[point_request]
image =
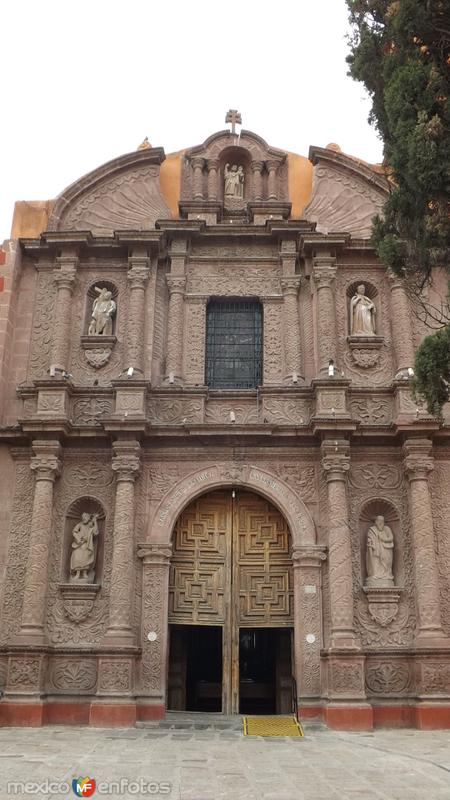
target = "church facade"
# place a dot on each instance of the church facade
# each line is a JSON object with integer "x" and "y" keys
{"x": 217, "y": 492}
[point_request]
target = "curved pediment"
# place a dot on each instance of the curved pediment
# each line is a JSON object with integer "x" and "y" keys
{"x": 346, "y": 193}
{"x": 122, "y": 194}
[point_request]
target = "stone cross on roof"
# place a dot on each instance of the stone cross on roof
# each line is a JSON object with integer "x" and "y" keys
{"x": 234, "y": 117}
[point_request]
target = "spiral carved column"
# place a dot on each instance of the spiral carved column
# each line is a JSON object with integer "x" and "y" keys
{"x": 175, "y": 328}
{"x": 418, "y": 464}
{"x": 137, "y": 279}
{"x": 336, "y": 463}
{"x": 126, "y": 465}
{"x": 64, "y": 277}
{"x": 46, "y": 465}
{"x": 324, "y": 274}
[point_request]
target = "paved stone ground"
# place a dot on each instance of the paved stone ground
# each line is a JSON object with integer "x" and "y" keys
{"x": 222, "y": 764}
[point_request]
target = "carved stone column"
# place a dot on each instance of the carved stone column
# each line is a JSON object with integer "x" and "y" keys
{"x": 272, "y": 167}
{"x": 64, "y": 277}
{"x": 291, "y": 322}
{"x": 336, "y": 463}
{"x": 46, "y": 465}
{"x": 126, "y": 465}
{"x": 418, "y": 464}
{"x": 213, "y": 167}
{"x": 175, "y": 328}
{"x": 401, "y": 325}
{"x": 324, "y": 274}
{"x": 194, "y": 356}
{"x": 273, "y": 322}
{"x": 138, "y": 275}
{"x": 197, "y": 177}
{"x": 308, "y": 620}
{"x": 257, "y": 169}
{"x": 154, "y": 629}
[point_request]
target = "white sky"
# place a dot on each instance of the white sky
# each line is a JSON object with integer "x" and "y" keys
{"x": 85, "y": 81}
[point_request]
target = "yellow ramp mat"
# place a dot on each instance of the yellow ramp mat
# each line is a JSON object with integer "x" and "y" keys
{"x": 272, "y": 726}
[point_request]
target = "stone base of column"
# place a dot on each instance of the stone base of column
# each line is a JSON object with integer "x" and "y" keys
{"x": 147, "y": 711}
{"x": 349, "y": 716}
{"x": 432, "y": 716}
{"x": 31, "y": 635}
{"x": 344, "y": 640}
{"x": 115, "y": 714}
{"x": 431, "y": 639}
{"x": 21, "y": 714}
{"x": 118, "y": 637}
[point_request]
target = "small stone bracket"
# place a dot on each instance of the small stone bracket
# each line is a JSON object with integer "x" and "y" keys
{"x": 383, "y": 603}
{"x": 365, "y": 350}
{"x": 78, "y": 599}
{"x": 98, "y": 349}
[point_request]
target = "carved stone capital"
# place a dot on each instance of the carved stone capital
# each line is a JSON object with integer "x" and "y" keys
{"x": 335, "y": 458}
{"x": 309, "y": 556}
{"x": 64, "y": 278}
{"x": 197, "y": 162}
{"x": 138, "y": 273}
{"x": 290, "y": 286}
{"x": 46, "y": 460}
{"x": 155, "y": 553}
{"x": 213, "y": 164}
{"x": 177, "y": 285}
{"x": 272, "y": 165}
{"x": 418, "y": 462}
{"x": 126, "y": 460}
{"x": 257, "y": 166}
{"x": 324, "y": 271}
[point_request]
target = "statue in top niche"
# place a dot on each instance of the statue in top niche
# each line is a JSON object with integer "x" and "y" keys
{"x": 379, "y": 554}
{"x": 362, "y": 313}
{"x": 103, "y": 308}
{"x": 234, "y": 181}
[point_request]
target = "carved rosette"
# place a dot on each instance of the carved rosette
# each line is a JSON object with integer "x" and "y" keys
{"x": 155, "y": 593}
{"x": 336, "y": 463}
{"x": 25, "y": 674}
{"x": 126, "y": 465}
{"x": 346, "y": 678}
{"x": 388, "y": 677}
{"x": 115, "y": 676}
{"x": 47, "y": 466}
{"x": 418, "y": 464}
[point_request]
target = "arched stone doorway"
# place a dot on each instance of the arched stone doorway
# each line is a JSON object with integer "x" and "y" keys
{"x": 156, "y": 554}
{"x": 231, "y": 606}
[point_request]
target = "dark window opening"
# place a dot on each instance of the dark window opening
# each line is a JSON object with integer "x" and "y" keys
{"x": 234, "y": 344}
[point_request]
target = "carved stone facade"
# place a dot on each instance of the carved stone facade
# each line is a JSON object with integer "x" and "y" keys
{"x": 118, "y": 424}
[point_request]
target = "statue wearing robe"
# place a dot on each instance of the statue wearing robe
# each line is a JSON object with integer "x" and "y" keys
{"x": 362, "y": 313}
{"x": 84, "y": 553}
{"x": 103, "y": 309}
{"x": 380, "y": 554}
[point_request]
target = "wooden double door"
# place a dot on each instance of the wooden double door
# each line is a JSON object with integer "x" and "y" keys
{"x": 231, "y": 606}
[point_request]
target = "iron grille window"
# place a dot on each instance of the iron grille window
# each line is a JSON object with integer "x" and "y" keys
{"x": 233, "y": 344}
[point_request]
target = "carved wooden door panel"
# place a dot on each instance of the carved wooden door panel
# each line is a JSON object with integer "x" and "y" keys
{"x": 231, "y": 566}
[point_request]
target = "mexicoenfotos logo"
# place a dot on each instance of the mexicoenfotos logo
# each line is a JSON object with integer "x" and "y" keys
{"x": 83, "y": 787}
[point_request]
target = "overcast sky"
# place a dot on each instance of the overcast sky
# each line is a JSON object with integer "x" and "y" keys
{"x": 85, "y": 81}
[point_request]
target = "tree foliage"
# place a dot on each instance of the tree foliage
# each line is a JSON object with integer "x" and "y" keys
{"x": 400, "y": 50}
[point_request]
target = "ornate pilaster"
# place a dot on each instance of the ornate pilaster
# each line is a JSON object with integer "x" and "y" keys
{"x": 257, "y": 170}
{"x": 401, "y": 325}
{"x": 324, "y": 274}
{"x": 126, "y": 465}
{"x": 197, "y": 177}
{"x": 273, "y": 325}
{"x": 291, "y": 323}
{"x": 418, "y": 464}
{"x": 272, "y": 167}
{"x": 308, "y": 620}
{"x": 175, "y": 332}
{"x": 138, "y": 274}
{"x": 64, "y": 277}
{"x": 46, "y": 465}
{"x": 213, "y": 167}
{"x": 336, "y": 463}
{"x": 155, "y": 598}
{"x": 194, "y": 357}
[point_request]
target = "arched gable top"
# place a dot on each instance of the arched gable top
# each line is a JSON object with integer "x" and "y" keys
{"x": 257, "y": 147}
{"x": 352, "y": 166}
{"x": 123, "y": 193}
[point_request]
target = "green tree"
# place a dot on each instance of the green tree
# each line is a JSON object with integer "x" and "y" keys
{"x": 400, "y": 50}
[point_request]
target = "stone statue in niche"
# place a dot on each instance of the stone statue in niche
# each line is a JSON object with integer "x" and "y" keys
{"x": 234, "y": 181}
{"x": 84, "y": 549}
{"x": 379, "y": 555}
{"x": 362, "y": 313}
{"x": 103, "y": 309}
